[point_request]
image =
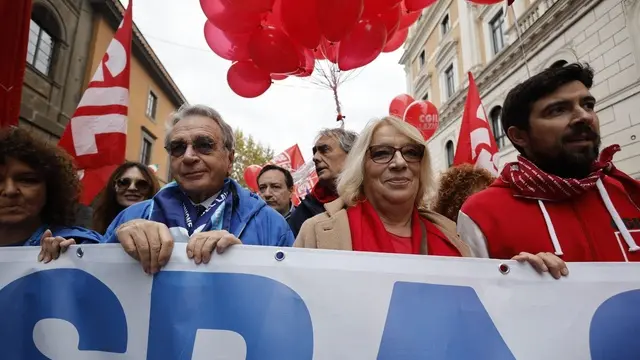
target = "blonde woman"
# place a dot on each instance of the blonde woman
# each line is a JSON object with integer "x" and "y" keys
{"x": 382, "y": 206}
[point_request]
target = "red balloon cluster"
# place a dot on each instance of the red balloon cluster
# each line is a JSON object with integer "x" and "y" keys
{"x": 273, "y": 39}
{"x": 421, "y": 114}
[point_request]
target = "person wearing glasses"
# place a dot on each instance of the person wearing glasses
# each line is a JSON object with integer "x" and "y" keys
{"x": 203, "y": 207}
{"x": 129, "y": 184}
{"x": 382, "y": 199}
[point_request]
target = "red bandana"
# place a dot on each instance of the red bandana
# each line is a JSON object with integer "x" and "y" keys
{"x": 322, "y": 194}
{"x": 528, "y": 181}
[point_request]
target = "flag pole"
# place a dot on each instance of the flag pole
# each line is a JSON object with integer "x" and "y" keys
{"x": 524, "y": 54}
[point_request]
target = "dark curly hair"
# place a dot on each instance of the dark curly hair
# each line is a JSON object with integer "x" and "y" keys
{"x": 54, "y": 165}
{"x": 516, "y": 109}
{"x": 106, "y": 207}
{"x": 455, "y": 187}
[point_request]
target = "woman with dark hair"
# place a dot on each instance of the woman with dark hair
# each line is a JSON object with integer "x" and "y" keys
{"x": 39, "y": 190}
{"x": 130, "y": 183}
{"x": 455, "y": 187}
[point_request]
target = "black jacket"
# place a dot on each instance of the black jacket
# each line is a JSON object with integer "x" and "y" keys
{"x": 308, "y": 208}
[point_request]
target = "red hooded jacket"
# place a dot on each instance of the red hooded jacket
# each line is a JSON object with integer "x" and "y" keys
{"x": 496, "y": 224}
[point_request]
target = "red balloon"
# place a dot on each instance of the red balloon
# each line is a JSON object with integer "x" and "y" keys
{"x": 327, "y": 50}
{"x": 396, "y": 41}
{"x": 300, "y": 21}
{"x": 309, "y": 65}
{"x": 228, "y": 19}
{"x": 272, "y": 50}
{"x": 362, "y": 45}
{"x": 272, "y": 18}
{"x": 375, "y": 7}
{"x": 318, "y": 53}
{"x": 278, "y": 76}
{"x": 416, "y": 5}
{"x": 252, "y": 5}
{"x": 234, "y": 47}
{"x": 248, "y": 80}
{"x": 251, "y": 176}
{"x": 399, "y": 105}
{"x": 408, "y": 17}
{"x": 424, "y": 116}
{"x": 391, "y": 20}
{"x": 337, "y": 17}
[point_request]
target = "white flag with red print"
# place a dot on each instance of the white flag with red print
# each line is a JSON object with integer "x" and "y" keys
{"x": 476, "y": 143}
{"x": 96, "y": 135}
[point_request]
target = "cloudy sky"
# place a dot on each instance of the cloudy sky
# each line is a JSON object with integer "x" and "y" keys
{"x": 291, "y": 111}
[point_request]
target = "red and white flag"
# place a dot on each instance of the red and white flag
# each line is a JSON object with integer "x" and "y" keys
{"x": 304, "y": 174}
{"x": 96, "y": 135}
{"x": 476, "y": 143}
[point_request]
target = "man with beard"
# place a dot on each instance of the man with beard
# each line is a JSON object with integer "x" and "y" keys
{"x": 559, "y": 200}
{"x": 329, "y": 153}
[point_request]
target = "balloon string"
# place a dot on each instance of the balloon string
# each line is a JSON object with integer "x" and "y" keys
{"x": 340, "y": 117}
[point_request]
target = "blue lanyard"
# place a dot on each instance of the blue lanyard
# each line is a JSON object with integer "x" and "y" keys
{"x": 224, "y": 195}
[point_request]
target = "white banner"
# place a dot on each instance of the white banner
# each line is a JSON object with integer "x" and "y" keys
{"x": 260, "y": 303}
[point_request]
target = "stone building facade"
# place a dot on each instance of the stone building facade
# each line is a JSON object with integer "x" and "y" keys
{"x": 484, "y": 40}
{"x": 57, "y": 54}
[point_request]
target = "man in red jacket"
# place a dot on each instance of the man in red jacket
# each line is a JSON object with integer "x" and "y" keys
{"x": 559, "y": 200}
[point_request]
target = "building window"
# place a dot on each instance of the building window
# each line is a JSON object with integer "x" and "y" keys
{"x": 449, "y": 82}
{"x": 152, "y": 105}
{"x": 496, "y": 126}
{"x": 445, "y": 26}
{"x": 423, "y": 58}
{"x": 426, "y": 97}
{"x": 496, "y": 25}
{"x": 146, "y": 147}
{"x": 450, "y": 153}
{"x": 40, "y": 48}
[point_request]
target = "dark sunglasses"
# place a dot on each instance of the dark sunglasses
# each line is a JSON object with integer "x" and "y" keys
{"x": 202, "y": 145}
{"x": 125, "y": 183}
{"x": 383, "y": 154}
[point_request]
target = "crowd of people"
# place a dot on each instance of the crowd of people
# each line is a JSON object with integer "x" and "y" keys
{"x": 562, "y": 201}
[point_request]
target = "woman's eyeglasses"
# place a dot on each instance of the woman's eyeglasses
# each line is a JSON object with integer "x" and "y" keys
{"x": 202, "y": 145}
{"x": 140, "y": 184}
{"x": 383, "y": 154}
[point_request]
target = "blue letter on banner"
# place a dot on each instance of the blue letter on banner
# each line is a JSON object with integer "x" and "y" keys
{"x": 615, "y": 327}
{"x": 68, "y": 294}
{"x": 271, "y": 317}
{"x": 446, "y": 322}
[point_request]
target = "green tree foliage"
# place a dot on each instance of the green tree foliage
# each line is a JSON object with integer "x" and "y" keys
{"x": 248, "y": 152}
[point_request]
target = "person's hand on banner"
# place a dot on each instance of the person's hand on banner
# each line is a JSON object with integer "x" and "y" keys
{"x": 147, "y": 241}
{"x": 201, "y": 245}
{"x": 544, "y": 262}
{"x": 51, "y": 246}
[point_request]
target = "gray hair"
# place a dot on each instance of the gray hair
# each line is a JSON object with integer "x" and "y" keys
{"x": 346, "y": 138}
{"x": 186, "y": 110}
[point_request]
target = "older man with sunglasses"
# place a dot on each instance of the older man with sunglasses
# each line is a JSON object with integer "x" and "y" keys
{"x": 203, "y": 207}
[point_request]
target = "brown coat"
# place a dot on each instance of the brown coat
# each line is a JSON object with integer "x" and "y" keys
{"x": 330, "y": 230}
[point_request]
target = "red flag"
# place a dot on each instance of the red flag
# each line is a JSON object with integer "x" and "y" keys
{"x": 96, "y": 135}
{"x": 476, "y": 143}
{"x": 15, "y": 17}
{"x": 304, "y": 175}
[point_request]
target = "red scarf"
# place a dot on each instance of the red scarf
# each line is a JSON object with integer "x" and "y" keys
{"x": 323, "y": 194}
{"x": 369, "y": 234}
{"x": 528, "y": 181}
